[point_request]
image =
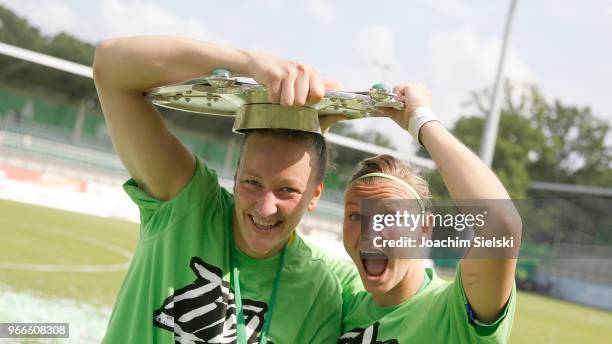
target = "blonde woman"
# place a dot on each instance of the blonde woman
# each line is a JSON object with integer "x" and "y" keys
{"x": 404, "y": 302}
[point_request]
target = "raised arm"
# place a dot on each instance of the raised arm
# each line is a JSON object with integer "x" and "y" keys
{"x": 487, "y": 282}
{"x": 125, "y": 68}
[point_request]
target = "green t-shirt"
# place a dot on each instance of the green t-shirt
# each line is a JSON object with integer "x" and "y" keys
{"x": 438, "y": 313}
{"x": 177, "y": 287}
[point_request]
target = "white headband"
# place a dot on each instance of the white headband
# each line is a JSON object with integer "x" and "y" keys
{"x": 388, "y": 176}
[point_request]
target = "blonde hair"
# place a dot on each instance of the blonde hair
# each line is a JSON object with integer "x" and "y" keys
{"x": 387, "y": 164}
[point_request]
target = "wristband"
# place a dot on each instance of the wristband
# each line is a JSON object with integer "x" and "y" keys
{"x": 420, "y": 116}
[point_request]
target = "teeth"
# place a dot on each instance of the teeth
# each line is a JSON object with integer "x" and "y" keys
{"x": 263, "y": 223}
{"x": 372, "y": 251}
{"x": 372, "y": 254}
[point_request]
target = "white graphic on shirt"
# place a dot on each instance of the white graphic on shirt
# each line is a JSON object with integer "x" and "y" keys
{"x": 364, "y": 336}
{"x": 204, "y": 311}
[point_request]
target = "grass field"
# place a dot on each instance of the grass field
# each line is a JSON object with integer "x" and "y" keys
{"x": 37, "y": 235}
{"x": 52, "y": 239}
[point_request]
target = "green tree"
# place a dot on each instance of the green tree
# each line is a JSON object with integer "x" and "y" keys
{"x": 550, "y": 142}
{"x": 39, "y": 79}
{"x": 516, "y": 142}
{"x": 575, "y": 150}
{"x": 16, "y": 31}
{"x": 537, "y": 141}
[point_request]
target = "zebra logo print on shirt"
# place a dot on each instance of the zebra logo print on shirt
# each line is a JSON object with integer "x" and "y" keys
{"x": 204, "y": 311}
{"x": 364, "y": 336}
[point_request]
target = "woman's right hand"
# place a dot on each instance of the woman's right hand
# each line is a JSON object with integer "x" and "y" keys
{"x": 289, "y": 83}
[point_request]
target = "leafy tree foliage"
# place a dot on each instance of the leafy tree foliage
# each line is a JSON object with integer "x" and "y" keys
{"x": 538, "y": 140}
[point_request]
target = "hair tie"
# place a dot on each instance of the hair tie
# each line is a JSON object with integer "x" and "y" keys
{"x": 388, "y": 176}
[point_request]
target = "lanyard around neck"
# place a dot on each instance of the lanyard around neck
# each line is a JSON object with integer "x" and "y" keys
{"x": 235, "y": 279}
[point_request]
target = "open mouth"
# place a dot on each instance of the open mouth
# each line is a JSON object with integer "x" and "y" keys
{"x": 264, "y": 226}
{"x": 374, "y": 262}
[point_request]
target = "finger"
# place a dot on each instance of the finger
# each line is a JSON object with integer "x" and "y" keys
{"x": 287, "y": 90}
{"x": 316, "y": 91}
{"x": 333, "y": 85}
{"x": 389, "y": 112}
{"x": 301, "y": 87}
{"x": 402, "y": 94}
{"x": 400, "y": 90}
{"x": 274, "y": 91}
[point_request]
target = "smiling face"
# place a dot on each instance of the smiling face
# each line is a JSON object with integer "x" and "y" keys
{"x": 275, "y": 184}
{"x": 388, "y": 279}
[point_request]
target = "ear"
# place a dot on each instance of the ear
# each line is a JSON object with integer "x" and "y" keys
{"x": 235, "y": 180}
{"x": 315, "y": 197}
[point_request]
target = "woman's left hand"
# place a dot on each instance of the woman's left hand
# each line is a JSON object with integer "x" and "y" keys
{"x": 413, "y": 95}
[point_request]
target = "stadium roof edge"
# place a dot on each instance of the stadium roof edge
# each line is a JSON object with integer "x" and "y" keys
{"x": 571, "y": 188}
{"x": 46, "y": 60}
{"x": 374, "y": 149}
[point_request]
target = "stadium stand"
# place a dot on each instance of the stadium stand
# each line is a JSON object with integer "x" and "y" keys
{"x": 39, "y": 134}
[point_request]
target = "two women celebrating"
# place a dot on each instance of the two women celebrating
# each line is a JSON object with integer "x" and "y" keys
{"x": 257, "y": 281}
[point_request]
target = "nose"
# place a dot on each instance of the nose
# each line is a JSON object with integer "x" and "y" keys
{"x": 266, "y": 204}
{"x": 366, "y": 233}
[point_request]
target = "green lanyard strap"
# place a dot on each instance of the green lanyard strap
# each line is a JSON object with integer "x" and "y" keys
{"x": 235, "y": 280}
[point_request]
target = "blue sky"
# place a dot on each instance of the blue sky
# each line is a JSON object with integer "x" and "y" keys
{"x": 451, "y": 45}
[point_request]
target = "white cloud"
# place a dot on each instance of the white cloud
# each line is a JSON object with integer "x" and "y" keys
{"x": 49, "y": 16}
{"x": 322, "y": 10}
{"x": 112, "y": 18}
{"x": 269, "y": 4}
{"x": 140, "y": 17}
{"x": 456, "y": 9}
{"x": 461, "y": 61}
{"x": 462, "y": 56}
{"x": 375, "y": 44}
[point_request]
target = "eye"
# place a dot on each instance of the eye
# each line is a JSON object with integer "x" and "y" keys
{"x": 289, "y": 190}
{"x": 355, "y": 217}
{"x": 251, "y": 182}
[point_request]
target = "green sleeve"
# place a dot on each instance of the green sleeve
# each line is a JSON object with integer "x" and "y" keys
{"x": 156, "y": 216}
{"x": 349, "y": 280}
{"x": 502, "y": 326}
{"x": 451, "y": 310}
